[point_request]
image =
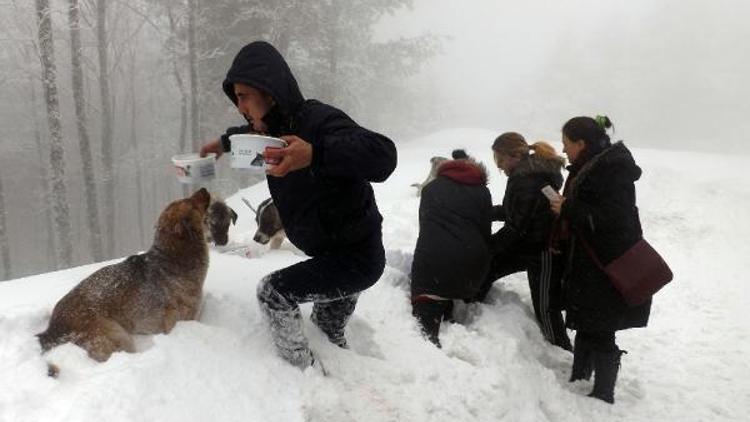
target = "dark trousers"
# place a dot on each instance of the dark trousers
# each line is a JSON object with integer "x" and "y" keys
{"x": 332, "y": 281}
{"x": 430, "y": 313}
{"x": 544, "y": 272}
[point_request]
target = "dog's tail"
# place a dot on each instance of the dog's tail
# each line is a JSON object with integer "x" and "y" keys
{"x": 48, "y": 341}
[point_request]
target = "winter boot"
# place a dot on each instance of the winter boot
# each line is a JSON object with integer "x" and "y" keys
{"x": 429, "y": 314}
{"x": 606, "y": 366}
{"x": 583, "y": 360}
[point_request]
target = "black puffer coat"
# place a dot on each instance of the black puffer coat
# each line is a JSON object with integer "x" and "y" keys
{"x": 600, "y": 207}
{"x": 452, "y": 255}
{"x": 525, "y": 210}
{"x": 329, "y": 205}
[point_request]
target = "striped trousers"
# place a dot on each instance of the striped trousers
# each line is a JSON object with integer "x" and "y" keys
{"x": 544, "y": 271}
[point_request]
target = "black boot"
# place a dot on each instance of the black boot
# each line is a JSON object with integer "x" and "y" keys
{"x": 606, "y": 366}
{"x": 583, "y": 360}
{"x": 429, "y": 314}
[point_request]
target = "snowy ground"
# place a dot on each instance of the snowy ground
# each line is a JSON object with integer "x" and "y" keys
{"x": 690, "y": 364}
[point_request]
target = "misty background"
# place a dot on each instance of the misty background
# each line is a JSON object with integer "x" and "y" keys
{"x": 97, "y": 95}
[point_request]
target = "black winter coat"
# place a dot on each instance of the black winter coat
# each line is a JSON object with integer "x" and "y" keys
{"x": 525, "y": 210}
{"x": 600, "y": 207}
{"x": 452, "y": 255}
{"x": 330, "y": 205}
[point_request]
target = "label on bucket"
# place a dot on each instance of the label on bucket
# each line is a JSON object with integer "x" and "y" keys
{"x": 247, "y": 151}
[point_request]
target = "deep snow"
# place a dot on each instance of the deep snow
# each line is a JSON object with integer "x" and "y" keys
{"x": 690, "y": 364}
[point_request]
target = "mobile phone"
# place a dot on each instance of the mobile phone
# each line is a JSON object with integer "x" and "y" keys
{"x": 550, "y": 193}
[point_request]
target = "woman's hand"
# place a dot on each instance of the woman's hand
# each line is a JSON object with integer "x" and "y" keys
{"x": 556, "y": 204}
{"x": 296, "y": 155}
{"x": 214, "y": 146}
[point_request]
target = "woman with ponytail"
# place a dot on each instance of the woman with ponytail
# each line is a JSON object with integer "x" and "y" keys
{"x": 598, "y": 221}
{"x": 521, "y": 244}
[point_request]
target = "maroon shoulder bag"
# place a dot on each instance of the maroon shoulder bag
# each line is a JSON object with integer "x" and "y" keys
{"x": 637, "y": 274}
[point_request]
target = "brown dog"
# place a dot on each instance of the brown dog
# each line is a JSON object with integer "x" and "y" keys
{"x": 144, "y": 294}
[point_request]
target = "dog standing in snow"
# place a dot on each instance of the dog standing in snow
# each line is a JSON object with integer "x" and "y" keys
{"x": 146, "y": 293}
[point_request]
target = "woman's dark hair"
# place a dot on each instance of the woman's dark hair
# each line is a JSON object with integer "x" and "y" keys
{"x": 592, "y": 131}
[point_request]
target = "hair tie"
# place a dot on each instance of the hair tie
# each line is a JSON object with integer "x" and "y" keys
{"x": 601, "y": 121}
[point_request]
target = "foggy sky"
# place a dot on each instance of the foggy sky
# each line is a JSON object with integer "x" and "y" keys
{"x": 671, "y": 74}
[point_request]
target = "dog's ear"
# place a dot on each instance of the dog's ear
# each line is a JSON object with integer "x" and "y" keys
{"x": 201, "y": 199}
{"x": 234, "y": 215}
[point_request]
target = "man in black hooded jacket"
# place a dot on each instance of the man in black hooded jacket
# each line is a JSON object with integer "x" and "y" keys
{"x": 321, "y": 187}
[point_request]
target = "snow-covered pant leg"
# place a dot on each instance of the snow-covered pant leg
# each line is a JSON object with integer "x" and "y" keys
{"x": 545, "y": 286}
{"x": 331, "y": 317}
{"x": 285, "y": 321}
{"x": 324, "y": 279}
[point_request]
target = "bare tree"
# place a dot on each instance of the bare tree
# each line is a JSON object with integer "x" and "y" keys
{"x": 89, "y": 179}
{"x": 174, "y": 53}
{"x": 107, "y": 128}
{"x": 136, "y": 150}
{"x": 193, "y": 65}
{"x": 44, "y": 181}
{"x": 4, "y": 245}
{"x": 57, "y": 156}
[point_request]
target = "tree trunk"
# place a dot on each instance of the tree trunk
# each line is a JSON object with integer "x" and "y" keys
{"x": 84, "y": 144}
{"x": 182, "y": 144}
{"x": 4, "y": 245}
{"x": 106, "y": 117}
{"x": 181, "y": 141}
{"x": 43, "y": 182}
{"x": 136, "y": 152}
{"x": 193, "y": 65}
{"x": 57, "y": 157}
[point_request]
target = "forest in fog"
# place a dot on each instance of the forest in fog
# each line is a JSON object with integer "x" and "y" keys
{"x": 97, "y": 95}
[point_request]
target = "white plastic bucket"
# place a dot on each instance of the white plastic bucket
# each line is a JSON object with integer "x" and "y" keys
{"x": 192, "y": 168}
{"x": 247, "y": 151}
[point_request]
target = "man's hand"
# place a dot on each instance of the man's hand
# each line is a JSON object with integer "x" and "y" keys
{"x": 556, "y": 204}
{"x": 296, "y": 155}
{"x": 213, "y": 146}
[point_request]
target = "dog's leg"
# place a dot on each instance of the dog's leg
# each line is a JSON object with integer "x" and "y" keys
{"x": 171, "y": 315}
{"x": 104, "y": 337}
{"x": 277, "y": 240}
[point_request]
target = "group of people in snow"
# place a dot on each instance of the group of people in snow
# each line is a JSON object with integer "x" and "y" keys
{"x": 550, "y": 238}
{"x": 321, "y": 187}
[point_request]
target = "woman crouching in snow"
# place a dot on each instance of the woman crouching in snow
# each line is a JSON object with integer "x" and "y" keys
{"x": 522, "y": 243}
{"x": 452, "y": 254}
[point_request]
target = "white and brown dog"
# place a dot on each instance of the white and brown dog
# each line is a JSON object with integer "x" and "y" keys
{"x": 269, "y": 224}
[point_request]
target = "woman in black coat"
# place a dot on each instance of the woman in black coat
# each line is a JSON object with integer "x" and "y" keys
{"x": 598, "y": 217}
{"x": 452, "y": 253}
{"x": 522, "y": 243}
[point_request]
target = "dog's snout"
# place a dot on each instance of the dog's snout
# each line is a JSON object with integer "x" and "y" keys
{"x": 261, "y": 238}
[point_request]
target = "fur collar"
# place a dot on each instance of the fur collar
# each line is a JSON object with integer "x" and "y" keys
{"x": 467, "y": 171}
{"x": 617, "y": 154}
{"x": 535, "y": 164}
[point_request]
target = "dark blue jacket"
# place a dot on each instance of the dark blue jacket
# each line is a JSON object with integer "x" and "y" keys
{"x": 330, "y": 205}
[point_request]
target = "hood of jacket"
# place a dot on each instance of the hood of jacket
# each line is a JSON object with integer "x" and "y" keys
{"x": 533, "y": 164}
{"x": 261, "y": 66}
{"x": 617, "y": 157}
{"x": 466, "y": 171}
